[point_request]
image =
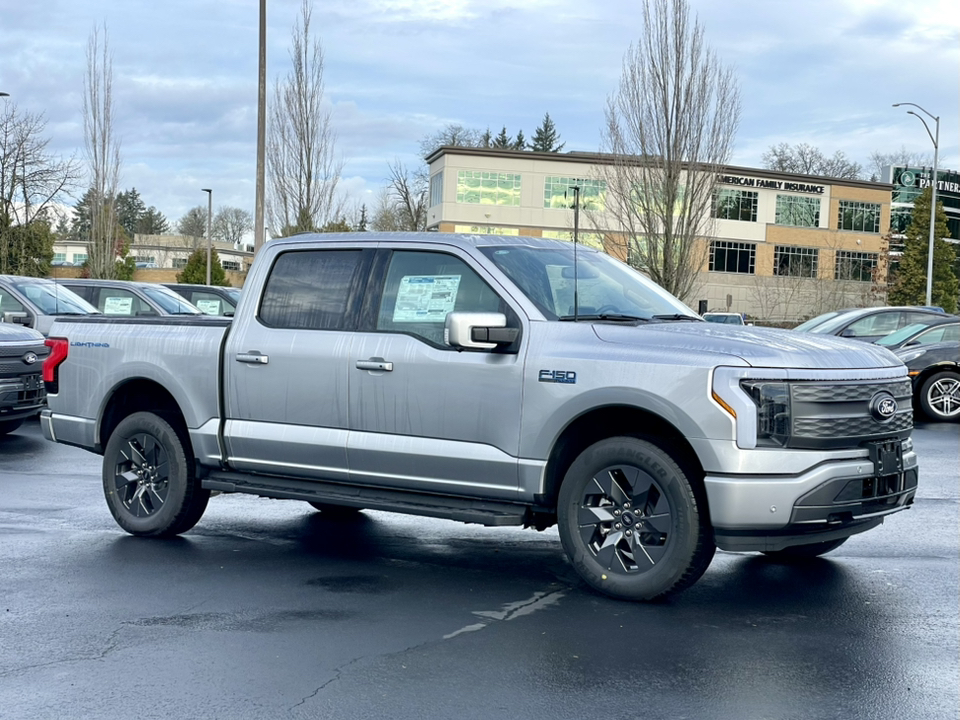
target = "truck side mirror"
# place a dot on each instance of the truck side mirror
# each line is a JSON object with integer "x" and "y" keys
{"x": 17, "y": 318}
{"x": 478, "y": 330}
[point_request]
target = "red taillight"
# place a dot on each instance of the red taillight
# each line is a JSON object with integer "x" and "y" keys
{"x": 59, "y": 347}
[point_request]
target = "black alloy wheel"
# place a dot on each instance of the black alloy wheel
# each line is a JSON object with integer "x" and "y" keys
{"x": 148, "y": 479}
{"x": 630, "y": 521}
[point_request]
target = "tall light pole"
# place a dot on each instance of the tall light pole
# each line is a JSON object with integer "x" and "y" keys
{"x": 209, "y": 193}
{"x": 258, "y": 234}
{"x": 935, "y": 137}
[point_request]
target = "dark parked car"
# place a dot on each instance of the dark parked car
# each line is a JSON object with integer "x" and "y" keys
{"x": 22, "y": 395}
{"x": 126, "y": 298}
{"x": 211, "y": 299}
{"x": 867, "y": 324}
{"x": 935, "y": 372}
{"x": 923, "y": 333}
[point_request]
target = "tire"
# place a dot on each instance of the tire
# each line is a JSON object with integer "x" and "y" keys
{"x": 940, "y": 396}
{"x": 620, "y": 548}
{"x": 811, "y": 550}
{"x": 8, "y": 426}
{"x": 335, "y": 511}
{"x": 149, "y": 482}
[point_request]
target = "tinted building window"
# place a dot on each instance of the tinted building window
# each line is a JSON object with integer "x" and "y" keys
{"x": 729, "y": 204}
{"x": 795, "y": 261}
{"x": 859, "y": 216}
{"x": 798, "y": 211}
{"x": 310, "y": 290}
{"x": 734, "y": 257}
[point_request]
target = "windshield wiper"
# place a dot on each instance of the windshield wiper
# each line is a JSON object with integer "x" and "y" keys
{"x": 617, "y": 317}
{"x": 678, "y": 316}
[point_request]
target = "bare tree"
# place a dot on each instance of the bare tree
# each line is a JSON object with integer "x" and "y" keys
{"x": 302, "y": 166}
{"x": 902, "y": 157}
{"x": 386, "y": 213}
{"x": 407, "y": 192}
{"x": 193, "y": 226}
{"x": 230, "y": 224}
{"x": 31, "y": 181}
{"x": 670, "y": 127}
{"x": 455, "y": 135}
{"x": 809, "y": 160}
{"x": 103, "y": 158}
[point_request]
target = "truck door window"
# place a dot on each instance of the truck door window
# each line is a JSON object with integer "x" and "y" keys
{"x": 310, "y": 290}
{"x": 422, "y": 287}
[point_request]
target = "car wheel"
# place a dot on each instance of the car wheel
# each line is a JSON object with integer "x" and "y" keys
{"x": 940, "y": 396}
{"x": 631, "y": 521}
{"x": 148, "y": 479}
{"x": 335, "y": 511}
{"x": 8, "y": 426}
{"x": 811, "y": 550}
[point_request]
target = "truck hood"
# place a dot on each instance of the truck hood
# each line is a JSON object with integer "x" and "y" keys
{"x": 759, "y": 347}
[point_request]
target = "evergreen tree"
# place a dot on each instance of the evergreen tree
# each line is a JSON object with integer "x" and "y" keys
{"x": 502, "y": 140}
{"x": 28, "y": 249}
{"x": 82, "y": 214}
{"x": 361, "y": 224}
{"x": 195, "y": 271}
{"x": 130, "y": 211}
{"x": 153, "y": 223}
{"x": 520, "y": 143}
{"x": 486, "y": 139}
{"x": 910, "y": 286}
{"x": 337, "y": 226}
{"x": 546, "y": 138}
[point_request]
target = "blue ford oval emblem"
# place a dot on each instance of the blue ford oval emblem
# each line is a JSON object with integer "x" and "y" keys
{"x": 30, "y": 358}
{"x": 883, "y": 406}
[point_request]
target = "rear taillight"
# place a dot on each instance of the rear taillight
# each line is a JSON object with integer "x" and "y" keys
{"x": 59, "y": 347}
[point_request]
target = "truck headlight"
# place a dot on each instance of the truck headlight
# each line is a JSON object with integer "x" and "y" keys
{"x": 773, "y": 410}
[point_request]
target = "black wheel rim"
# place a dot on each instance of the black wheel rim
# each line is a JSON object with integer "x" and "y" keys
{"x": 625, "y": 520}
{"x": 142, "y": 478}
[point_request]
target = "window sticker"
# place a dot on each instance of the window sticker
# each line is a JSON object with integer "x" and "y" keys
{"x": 425, "y": 298}
{"x": 209, "y": 307}
{"x": 118, "y": 306}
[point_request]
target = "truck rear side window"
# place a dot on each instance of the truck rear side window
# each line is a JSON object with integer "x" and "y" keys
{"x": 309, "y": 290}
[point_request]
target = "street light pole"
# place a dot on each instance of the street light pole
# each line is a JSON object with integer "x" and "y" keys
{"x": 935, "y": 137}
{"x": 209, "y": 193}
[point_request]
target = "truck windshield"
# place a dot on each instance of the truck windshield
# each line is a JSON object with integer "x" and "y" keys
{"x": 606, "y": 288}
{"x": 54, "y": 299}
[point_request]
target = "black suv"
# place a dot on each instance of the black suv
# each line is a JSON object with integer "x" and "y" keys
{"x": 22, "y": 352}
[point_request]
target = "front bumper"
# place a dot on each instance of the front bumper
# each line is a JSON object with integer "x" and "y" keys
{"x": 830, "y": 501}
{"x": 21, "y": 397}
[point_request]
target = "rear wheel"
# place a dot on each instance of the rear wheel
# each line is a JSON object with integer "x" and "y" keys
{"x": 630, "y": 521}
{"x": 806, "y": 551}
{"x": 8, "y": 426}
{"x": 940, "y": 396}
{"x": 339, "y": 511}
{"x": 148, "y": 480}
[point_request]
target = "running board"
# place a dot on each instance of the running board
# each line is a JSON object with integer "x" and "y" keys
{"x": 468, "y": 510}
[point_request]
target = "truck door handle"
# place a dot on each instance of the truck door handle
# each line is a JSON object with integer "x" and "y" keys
{"x": 375, "y": 364}
{"x": 253, "y": 357}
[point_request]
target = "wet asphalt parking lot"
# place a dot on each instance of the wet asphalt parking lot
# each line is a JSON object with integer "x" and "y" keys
{"x": 268, "y": 610}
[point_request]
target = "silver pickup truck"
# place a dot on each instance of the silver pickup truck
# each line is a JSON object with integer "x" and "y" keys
{"x": 494, "y": 380}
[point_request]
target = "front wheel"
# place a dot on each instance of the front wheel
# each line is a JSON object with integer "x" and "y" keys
{"x": 631, "y": 522}
{"x": 148, "y": 480}
{"x": 8, "y": 426}
{"x": 940, "y": 396}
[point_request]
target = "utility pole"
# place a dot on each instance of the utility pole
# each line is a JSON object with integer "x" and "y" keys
{"x": 258, "y": 234}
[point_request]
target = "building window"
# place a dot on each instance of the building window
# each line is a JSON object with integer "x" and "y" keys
{"x": 179, "y": 263}
{"x": 59, "y": 258}
{"x": 558, "y": 193}
{"x": 798, "y": 211}
{"x": 730, "y": 204}
{"x": 795, "y": 261}
{"x": 436, "y": 189}
{"x": 488, "y": 188}
{"x": 856, "y": 266}
{"x": 859, "y": 216}
{"x": 144, "y": 259}
{"x": 485, "y": 230}
{"x": 230, "y": 264}
{"x": 733, "y": 257}
{"x": 79, "y": 258}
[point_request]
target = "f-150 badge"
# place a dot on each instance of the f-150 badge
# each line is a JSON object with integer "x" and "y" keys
{"x": 567, "y": 377}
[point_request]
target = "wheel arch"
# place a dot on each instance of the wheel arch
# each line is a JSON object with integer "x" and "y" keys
{"x": 140, "y": 395}
{"x": 619, "y": 421}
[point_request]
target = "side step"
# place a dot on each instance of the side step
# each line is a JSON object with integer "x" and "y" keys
{"x": 468, "y": 510}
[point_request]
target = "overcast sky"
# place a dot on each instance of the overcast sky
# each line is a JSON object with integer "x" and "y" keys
{"x": 823, "y": 72}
